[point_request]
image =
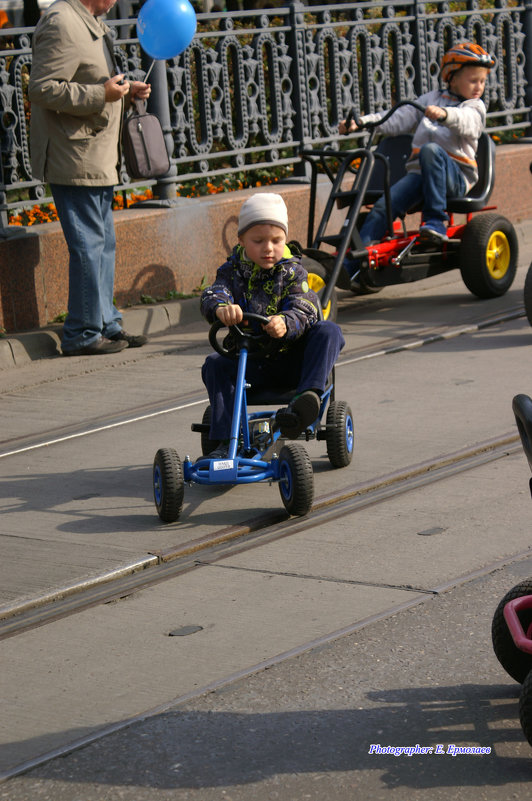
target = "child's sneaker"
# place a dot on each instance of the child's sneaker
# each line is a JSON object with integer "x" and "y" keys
{"x": 433, "y": 231}
{"x": 299, "y": 414}
{"x": 220, "y": 452}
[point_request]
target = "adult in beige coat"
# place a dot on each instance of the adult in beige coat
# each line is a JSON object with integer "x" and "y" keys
{"x": 76, "y": 111}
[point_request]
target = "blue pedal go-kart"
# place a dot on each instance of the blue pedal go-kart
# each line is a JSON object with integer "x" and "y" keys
{"x": 257, "y": 451}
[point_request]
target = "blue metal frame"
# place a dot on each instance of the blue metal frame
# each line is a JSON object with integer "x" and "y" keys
{"x": 237, "y": 468}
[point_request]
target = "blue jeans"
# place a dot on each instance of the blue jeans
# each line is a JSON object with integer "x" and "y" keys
{"x": 440, "y": 178}
{"x": 85, "y": 214}
{"x": 305, "y": 365}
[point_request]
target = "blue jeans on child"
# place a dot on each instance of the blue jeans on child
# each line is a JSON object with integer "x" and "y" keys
{"x": 440, "y": 178}
{"x": 86, "y": 217}
{"x": 305, "y": 365}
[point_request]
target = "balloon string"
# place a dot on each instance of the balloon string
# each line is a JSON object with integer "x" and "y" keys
{"x": 148, "y": 73}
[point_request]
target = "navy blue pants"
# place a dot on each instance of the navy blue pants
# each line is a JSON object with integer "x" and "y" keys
{"x": 306, "y": 365}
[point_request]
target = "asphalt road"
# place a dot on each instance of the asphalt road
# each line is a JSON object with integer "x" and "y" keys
{"x": 310, "y": 727}
{"x": 304, "y": 727}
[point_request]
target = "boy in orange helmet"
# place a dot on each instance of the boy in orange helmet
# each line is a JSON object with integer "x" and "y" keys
{"x": 442, "y": 162}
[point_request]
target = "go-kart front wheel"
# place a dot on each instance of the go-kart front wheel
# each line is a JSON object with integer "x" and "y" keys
{"x": 516, "y": 663}
{"x": 488, "y": 255}
{"x": 296, "y": 479}
{"x": 340, "y": 434}
{"x": 168, "y": 484}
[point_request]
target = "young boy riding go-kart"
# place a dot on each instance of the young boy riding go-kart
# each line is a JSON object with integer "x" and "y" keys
{"x": 445, "y": 168}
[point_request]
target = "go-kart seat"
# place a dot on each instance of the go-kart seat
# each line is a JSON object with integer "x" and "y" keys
{"x": 280, "y": 397}
{"x": 397, "y": 150}
{"x": 479, "y": 195}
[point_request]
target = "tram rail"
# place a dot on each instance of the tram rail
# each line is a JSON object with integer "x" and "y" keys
{"x": 167, "y": 564}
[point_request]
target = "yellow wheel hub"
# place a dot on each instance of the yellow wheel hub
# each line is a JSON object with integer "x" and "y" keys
{"x": 498, "y": 254}
{"x": 317, "y": 284}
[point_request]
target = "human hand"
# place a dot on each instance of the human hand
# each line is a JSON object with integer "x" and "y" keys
{"x": 139, "y": 90}
{"x": 230, "y": 314}
{"x": 276, "y": 328}
{"x": 343, "y": 129}
{"x": 435, "y": 113}
{"x": 116, "y": 88}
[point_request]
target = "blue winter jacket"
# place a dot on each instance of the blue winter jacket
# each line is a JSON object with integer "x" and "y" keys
{"x": 282, "y": 290}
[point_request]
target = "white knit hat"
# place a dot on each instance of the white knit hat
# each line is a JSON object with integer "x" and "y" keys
{"x": 265, "y": 208}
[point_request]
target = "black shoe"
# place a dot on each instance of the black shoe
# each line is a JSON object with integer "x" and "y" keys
{"x": 298, "y": 415}
{"x": 220, "y": 452}
{"x": 131, "y": 340}
{"x": 101, "y": 345}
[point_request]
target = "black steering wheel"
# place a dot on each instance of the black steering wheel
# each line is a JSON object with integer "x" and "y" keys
{"x": 255, "y": 342}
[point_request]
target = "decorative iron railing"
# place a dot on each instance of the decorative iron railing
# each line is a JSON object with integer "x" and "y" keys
{"x": 254, "y": 87}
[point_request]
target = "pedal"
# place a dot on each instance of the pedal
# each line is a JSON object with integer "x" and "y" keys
{"x": 200, "y": 428}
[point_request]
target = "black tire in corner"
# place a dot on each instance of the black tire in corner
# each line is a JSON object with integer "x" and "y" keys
{"x": 317, "y": 281}
{"x": 525, "y": 707}
{"x": 340, "y": 434}
{"x": 168, "y": 484}
{"x": 488, "y": 255}
{"x": 207, "y": 444}
{"x": 515, "y": 662}
{"x": 527, "y": 295}
{"x": 296, "y": 479}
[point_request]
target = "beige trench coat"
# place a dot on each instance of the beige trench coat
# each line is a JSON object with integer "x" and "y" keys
{"x": 74, "y": 133}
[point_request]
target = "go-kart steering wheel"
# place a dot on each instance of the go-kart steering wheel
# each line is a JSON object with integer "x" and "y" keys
{"x": 255, "y": 341}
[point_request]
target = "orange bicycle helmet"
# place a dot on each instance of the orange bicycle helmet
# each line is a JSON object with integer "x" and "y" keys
{"x": 463, "y": 55}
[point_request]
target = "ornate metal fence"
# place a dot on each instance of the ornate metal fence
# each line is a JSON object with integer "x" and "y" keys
{"x": 255, "y": 87}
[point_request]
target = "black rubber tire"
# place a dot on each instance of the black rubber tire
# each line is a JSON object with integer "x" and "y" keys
{"x": 515, "y": 662}
{"x": 207, "y": 444}
{"x": 527, "y": 295}
{"x": 525, "y": 707}
{"x": 488, "y": 255}
{"x": 340, "y": 434}
{"x": 168, "y": 484}
{"x": 296, "y": 483}
{"x": 317, "y": 280}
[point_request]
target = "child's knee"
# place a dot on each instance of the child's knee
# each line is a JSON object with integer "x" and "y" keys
{"x": 430, "y": 153}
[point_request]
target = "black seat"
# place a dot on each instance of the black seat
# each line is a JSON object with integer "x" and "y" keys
{"x": 479, "y": 195}
{"x": 397, "y": 150}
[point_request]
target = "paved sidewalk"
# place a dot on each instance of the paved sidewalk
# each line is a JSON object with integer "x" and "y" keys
{"x": 28, "y": 346}
{"x": 18, "y": 349}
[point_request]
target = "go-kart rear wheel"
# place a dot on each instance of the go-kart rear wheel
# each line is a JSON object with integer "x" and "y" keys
{"x": 525, "y": 707}
{"x": 207, "y": 444}
{"x": 340, "y": 434}
{"x": 515, "y": 662}
{"x": 488, "y": 255}
{"x": 168, "y": 484}
{"x": 296, "y": 481}
{"x": 317, "y": 281}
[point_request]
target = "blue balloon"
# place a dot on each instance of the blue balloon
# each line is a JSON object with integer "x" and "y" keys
{"x": 166, "y": 27}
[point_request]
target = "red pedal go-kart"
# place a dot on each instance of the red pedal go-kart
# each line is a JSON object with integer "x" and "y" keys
{"x": 511, "y": 628}
{"x": 484, "y": 247}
